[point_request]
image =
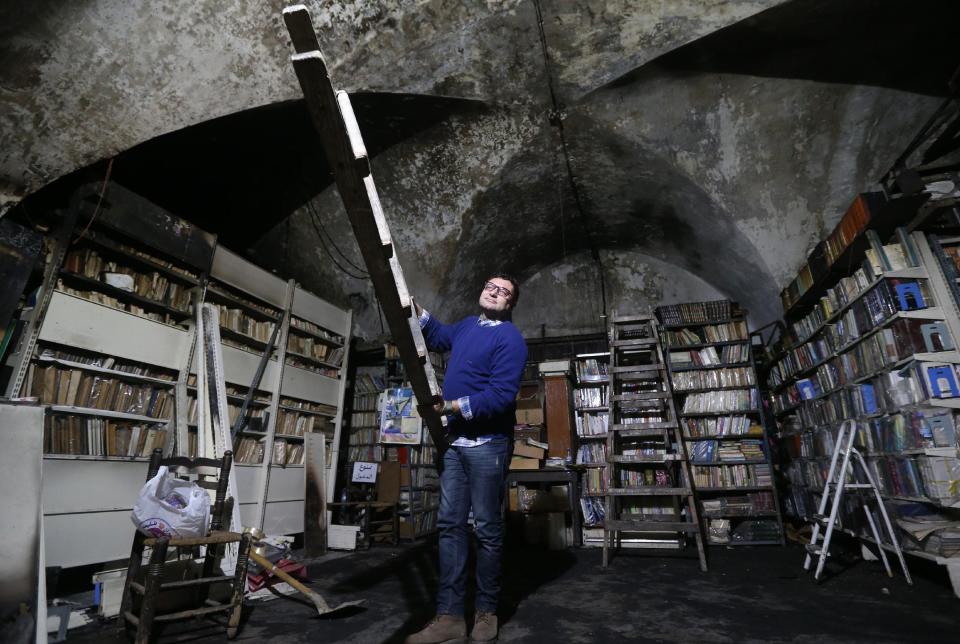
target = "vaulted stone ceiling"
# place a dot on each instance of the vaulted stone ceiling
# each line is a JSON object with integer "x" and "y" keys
{"x": 679, "y": 150}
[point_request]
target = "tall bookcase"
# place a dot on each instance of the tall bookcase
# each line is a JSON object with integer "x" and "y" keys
{"x": 591, "y": 419}
{"x": 710, "y": 359}
{"x": 879, "y": 348}
{"x": 110, "y": 347}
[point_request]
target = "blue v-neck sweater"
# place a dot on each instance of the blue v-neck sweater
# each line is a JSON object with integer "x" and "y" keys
{"x": 486, "y": 365}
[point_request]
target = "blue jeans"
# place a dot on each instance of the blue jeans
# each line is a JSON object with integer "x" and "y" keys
{"x": 472, "y": 476}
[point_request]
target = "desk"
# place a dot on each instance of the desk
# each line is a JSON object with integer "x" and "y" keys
{"x": 570, "y": 477}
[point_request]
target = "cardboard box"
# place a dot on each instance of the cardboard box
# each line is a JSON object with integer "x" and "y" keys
{"x": 522, "y": 448}
{"x": 523, "y": 463}
{"x": 513, "y": 499}
{"x": 521, "y": 433}
{"x": 530, "y": 416}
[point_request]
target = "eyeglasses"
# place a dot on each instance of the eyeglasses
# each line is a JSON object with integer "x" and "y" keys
{"x": 499, "y": 290}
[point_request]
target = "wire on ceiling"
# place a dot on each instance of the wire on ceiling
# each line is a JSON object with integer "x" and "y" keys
{"x": 557, "y": 115}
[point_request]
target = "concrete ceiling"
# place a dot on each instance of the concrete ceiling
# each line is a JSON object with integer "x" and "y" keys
{"x": 680, "y": 150}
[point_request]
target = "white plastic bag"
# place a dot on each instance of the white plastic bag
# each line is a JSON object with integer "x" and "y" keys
{"x": 171, "y": 507}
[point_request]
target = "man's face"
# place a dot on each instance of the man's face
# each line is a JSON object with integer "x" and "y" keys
{"x": 497, "y": 295}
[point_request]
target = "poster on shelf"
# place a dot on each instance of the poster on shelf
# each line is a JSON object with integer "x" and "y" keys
{"x": 364, "y": 472}
{"x": 399, "y": 421}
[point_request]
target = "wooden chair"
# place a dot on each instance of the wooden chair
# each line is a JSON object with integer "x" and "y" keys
{"x": 142, "y": 590}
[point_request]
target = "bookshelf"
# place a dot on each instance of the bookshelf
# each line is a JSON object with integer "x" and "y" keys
{"x": 109, "y": 350}
{"x": 879, "y": 347}
{"x": 419, "y": 475}
{"x": 710, "y": 359}
{"x": 591, "y": 412}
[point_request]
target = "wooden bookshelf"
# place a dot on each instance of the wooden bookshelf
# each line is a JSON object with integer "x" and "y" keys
{"x": 721, "y": 391}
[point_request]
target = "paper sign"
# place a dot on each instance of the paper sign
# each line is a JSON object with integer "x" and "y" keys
{"x": 364, "y": 472}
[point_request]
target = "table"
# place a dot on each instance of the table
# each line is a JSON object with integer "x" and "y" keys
{"x": 570, "y": 477}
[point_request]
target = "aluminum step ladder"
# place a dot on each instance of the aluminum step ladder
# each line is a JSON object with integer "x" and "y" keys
{"x": 839, "y": 480}
{"x": 643, "y": 420}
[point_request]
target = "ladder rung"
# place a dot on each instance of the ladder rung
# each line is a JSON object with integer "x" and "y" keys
{"x": 857, "y": 486}
{"x": 815, "y": 550}
{"x": 648, "y": 490}
{"x": 658, "y": 433}
{"x": 653, "y": 395}
{"x": 635, "y": 342}
{"x": 639, "y": 368}
{"x": 666, "y": 458}
{"x": 641, "y": 525}
{"x": 660, "y": 424}
{"x": 627, "y": 319}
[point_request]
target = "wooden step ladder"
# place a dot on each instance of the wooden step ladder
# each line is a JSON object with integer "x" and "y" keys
{"x": 646, "y": 460}
{"x": 346, "y": 153}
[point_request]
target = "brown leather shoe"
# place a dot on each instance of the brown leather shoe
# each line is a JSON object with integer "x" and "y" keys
{"x": 484, "y": 628}
{"x": 442, "y": 628}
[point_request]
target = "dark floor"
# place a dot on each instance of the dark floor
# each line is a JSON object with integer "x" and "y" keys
{"x": 751, "y": 594}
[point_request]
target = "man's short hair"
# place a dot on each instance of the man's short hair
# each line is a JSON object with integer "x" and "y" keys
{"x": 513, "y": 281}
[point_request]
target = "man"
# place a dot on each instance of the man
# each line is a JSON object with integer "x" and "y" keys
{"x": 487, "y": 357}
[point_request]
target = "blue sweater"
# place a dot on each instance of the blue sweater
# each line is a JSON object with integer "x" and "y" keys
{"x": 486, "y": 364}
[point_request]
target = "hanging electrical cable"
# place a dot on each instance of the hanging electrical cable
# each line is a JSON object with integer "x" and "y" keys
{"x": 556, "y": 119}
{"x": 329, "y": 238}
{"x": 333, "y": 259}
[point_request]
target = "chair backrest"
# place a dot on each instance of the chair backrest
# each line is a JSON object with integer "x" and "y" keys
{"x": 221, "y": 504}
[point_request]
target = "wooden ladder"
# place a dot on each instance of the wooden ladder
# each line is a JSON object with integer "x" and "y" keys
{"x": 346, "y": 153}
{"x": 643, "y": 442}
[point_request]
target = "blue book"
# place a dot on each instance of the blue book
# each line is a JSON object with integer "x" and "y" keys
{"x": 943, "y": 381}
{"x": 909, "y": 296}
{"x": 869, "y": 398}
{"x": 806, "y": 389}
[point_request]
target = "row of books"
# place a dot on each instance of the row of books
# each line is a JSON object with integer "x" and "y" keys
{"x": 424, "y": 477}
{"x": 653, "y": 507}
{"x": 314, "y": 349}
{"x": 880, "y": 260}
{"x": 366, "y": 383}
{"x": 152, "y": 286}
{"x": 309, "y": 407}
{"x": 105, "y": 362}
{"x": 592, "y": 453}
{"x": 906, "y": 430}
{"x": 423, "y": 455}
{"x": 592, "y": 423}
{"x": 708, "y": 356}
{"x": 364, "y": 436}
{"x": 733, "y": 425}
{"x": 419, "y": 500}
{"x": 366, "y": 453}
{"x": 421, "y": 523}
{"x": 732, "y": 476}
{"x": 248, "y": 450}
{"x": 216, "y": 290}
{"x": 901, "y": 340}
{"x": 645, "y": 476}
{"x": 714, "y": 378}
{"x": 363, "y": 419}
{"x": 722, "y": 401}
{"x": 89, "y": 436}
{"x": 295, "y": 424}
{"x": 239, "y": 322}
{"x": 365, "y": 401}
{"x": 233, "y": 412}
{"x": 77, "y": 388}
{"x": 590, "y": 397}
{"x": 696, "y": 312}
{"x": 593, "y": 509}
{"x": 103, "y": 240}
{"x": 726, "y": 451}
{"x": 591, "y": 369}
{"x": 299, "y": 324}
{"x": 854, "y": 220}
{"x": 739, "y": 504}
{"x": 286, "y": 453}
{"x": 114, "y": 303}
{"x": 594, "y": 481}
{"x": 726, "y": 332}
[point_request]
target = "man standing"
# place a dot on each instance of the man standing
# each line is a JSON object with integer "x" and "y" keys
{"x": 487, "y": 357}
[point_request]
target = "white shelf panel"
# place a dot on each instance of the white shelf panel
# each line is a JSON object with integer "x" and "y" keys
{"x": 287, "y": 484}
{"x": 82, "y": 539}
{"x": 283, "y": 517}
{"x": 309, "y": 307}
{"x": 308, "y": 385}
{"x": 94, "y": 327}
{"x": 72, "y": 486}
{"x": 240, "y": 366}
{"x": 230, "y": 268}
{"x": 248, "y": 477}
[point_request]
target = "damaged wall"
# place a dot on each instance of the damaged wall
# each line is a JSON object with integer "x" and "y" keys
{"x": 715, "y": 141}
